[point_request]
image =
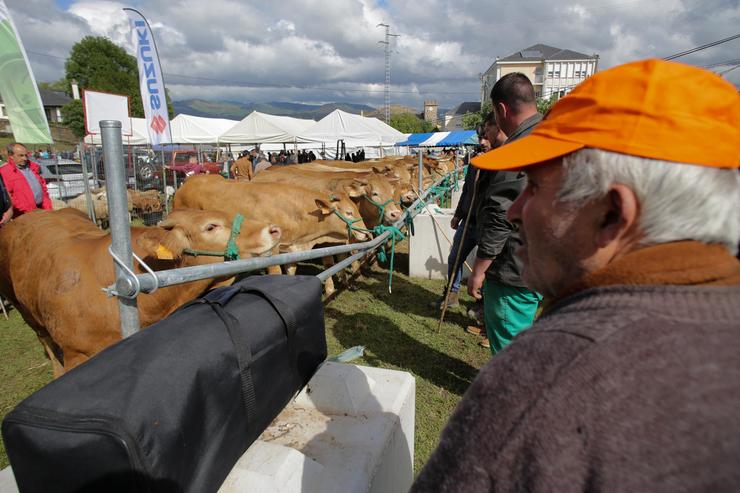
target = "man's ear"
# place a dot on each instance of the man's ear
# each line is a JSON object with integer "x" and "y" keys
{"x": 324, "y": 206}
{"x": 618, "y": 221}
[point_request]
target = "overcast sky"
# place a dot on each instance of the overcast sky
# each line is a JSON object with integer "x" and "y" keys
{"x": 317, "y": 51}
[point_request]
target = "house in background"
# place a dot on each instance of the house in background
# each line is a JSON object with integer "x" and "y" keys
{"x": 453, "y": 118}
{"x": 553, "y": 71}
{"x": 52, "y": 101}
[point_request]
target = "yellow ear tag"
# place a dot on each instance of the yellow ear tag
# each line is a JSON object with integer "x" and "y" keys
{"x": 164, "y": 254}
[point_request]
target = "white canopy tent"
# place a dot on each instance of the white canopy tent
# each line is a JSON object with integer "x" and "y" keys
{"x": 260, "y": 128}
{"x": 354, "y": 130}
{"x": 188, "y": 129}
{"x": 139, "y": 137}
{"x": 370, "y": 134}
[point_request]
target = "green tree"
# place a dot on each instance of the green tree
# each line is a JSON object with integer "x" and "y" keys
{"x": 544, "y": 105}
{"x": 58, "y": 85}
{"x": 471, "y": 120}
{"x": 97, "y": 64}
{"x": 73, "y": 117}
{"x": 409, "y": 123}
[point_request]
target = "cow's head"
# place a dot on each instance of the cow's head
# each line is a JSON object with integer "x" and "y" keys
{"x": 345, "y": 214}
{"x": 356, "y": 188}
{"x": 381, "y": 201}
{"x": 188, "y": 231}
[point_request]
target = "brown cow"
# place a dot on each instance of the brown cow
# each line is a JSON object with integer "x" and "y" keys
{"x": 55, "y": 264}
{"x": 307, "y": 217}
{"x": 372, "y": 191}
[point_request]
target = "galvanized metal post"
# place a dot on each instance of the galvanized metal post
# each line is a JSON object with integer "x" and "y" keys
{"x": 164, "y": 186}
{"x": 421, "y": 172}
{"x": 88, "y": 196}
{"x": 120, "y": 226}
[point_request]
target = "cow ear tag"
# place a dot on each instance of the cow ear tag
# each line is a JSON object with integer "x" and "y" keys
{"x": 163, "y": 253}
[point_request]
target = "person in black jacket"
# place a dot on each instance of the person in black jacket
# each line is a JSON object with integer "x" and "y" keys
{"x": 509, "y": 306}
{"x": 489, "y": 137}
{"x": 6, "y": 206}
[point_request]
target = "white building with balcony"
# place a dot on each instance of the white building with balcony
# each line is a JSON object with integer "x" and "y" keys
{"x": 553, "y": 71}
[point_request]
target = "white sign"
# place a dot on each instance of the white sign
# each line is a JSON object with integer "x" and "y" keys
{"x": 105, "y": 106}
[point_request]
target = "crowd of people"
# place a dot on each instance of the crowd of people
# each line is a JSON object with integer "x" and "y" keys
{"x": 22, "y": 189}
{"x": 614, "y": 220}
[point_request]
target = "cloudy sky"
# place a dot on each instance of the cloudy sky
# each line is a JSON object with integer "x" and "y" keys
{"x": 317, "y": 51}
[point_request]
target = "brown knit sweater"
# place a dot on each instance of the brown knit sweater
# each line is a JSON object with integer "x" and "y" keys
{"x": 631, "y": 383}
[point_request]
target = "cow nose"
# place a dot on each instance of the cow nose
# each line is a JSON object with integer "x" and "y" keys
{"x": 394, "y": 215}
{"x": 275, "y": 231}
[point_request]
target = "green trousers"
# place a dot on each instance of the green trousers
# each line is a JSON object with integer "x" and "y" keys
{"x": 508, "y": 310}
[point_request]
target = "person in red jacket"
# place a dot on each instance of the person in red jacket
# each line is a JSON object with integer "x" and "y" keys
{"x": 23, "y": 181}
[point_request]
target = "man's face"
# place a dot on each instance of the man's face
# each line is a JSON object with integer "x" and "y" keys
{"x": 558, "y": 239}
{"x": 20, "y": 156}
{"x": 485, "y": 145}
{"x": 494, "y": 135}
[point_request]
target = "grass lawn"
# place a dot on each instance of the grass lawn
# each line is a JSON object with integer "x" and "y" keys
{"x": 399, "y": 331}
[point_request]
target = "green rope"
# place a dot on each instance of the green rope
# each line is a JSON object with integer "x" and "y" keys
{"x": 381, "y": 207}
{"x": 232, "y": 250}
{"x": 396, "y": 235}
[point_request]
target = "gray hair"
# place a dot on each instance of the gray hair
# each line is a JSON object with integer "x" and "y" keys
{"x": 677, "y": 201}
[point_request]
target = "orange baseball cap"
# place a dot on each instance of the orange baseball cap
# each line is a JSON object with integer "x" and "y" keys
{"x": 651, "y": 108}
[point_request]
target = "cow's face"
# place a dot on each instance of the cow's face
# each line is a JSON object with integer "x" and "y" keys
{"x": 209, "y": 231}
{"x": 381, "y": 192}
{"x": 357, "y": 187}
{"x": 340, "y": 204}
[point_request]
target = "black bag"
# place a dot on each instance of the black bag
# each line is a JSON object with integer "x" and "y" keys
{"x": 173, "y": 407}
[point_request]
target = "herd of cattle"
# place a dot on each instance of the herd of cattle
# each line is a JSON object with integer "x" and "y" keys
{"x": 55, "y": 263}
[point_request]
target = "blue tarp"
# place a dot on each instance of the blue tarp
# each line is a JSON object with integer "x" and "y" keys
{"x": 415, "y": 139}
{"x": 460, "y": 137}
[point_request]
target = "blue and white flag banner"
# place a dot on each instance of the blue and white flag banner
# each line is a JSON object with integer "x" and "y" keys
{"x": 151, "y": 81}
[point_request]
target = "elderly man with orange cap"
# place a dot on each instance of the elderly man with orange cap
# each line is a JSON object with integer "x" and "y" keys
{"x": 630, "y": 378}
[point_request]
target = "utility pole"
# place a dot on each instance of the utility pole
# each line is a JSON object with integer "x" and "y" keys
{"x": 387, "y": 44}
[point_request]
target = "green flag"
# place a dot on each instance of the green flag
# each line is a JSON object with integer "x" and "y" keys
{"x": 18, "y": 87}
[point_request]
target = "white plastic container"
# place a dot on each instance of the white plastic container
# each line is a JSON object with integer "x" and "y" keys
{"x": 351, "y": 429}
{"x": 431, "y": 243}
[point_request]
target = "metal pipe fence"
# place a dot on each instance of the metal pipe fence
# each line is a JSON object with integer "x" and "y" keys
{"x": 131, "y": 286}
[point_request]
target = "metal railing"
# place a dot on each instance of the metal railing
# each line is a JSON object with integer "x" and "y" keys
{"x": 129, "y": 285}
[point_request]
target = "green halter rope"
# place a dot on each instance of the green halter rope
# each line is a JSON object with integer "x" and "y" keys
{"x": 231, "y": 252}
{"x": 381, "y": 207}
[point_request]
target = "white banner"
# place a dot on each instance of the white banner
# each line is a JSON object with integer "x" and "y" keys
{"x": 150, "y": 79}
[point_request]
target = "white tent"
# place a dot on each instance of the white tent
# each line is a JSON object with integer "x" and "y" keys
{"x": 355, "y": 130}
{"x": 140, "y": 135}
{"x": 259, "y": 128}
{"x": 188, "y": 129}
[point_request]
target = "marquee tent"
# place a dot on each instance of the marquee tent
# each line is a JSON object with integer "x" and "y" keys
{"x": 441, "y": 139}
{"x": 462, "y": 137}
{"x": 354, "y": 130}
{"x": 415, "y": 139}
{"x": 188, "y": 129}
{"x": 260, "y": 128}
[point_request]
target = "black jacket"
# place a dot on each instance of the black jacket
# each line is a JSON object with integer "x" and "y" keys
{"x": 498, "y": 239}
{"x": 5, "y": 202}
{"x": 466, "y": 197}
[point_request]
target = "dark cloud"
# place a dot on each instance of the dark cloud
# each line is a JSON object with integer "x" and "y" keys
{"x": 325, "y": 50}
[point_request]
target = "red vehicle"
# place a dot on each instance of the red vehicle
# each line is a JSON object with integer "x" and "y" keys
{"x": 185, "y": 163}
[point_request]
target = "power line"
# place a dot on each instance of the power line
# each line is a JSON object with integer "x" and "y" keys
{"x": 702, "y": 47}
